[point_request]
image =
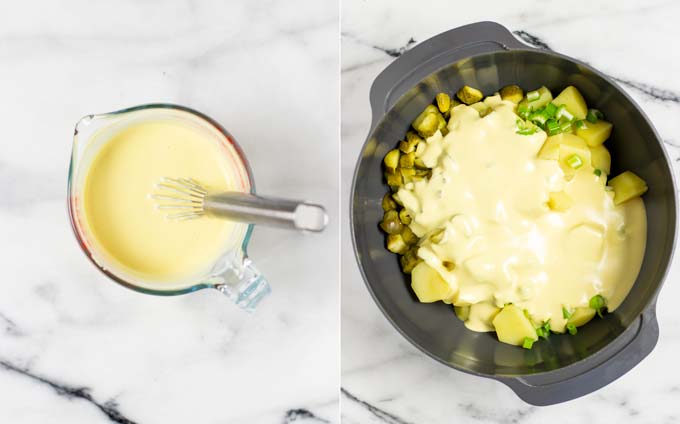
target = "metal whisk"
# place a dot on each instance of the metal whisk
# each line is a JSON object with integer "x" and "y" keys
{"x": 185, "y": 198}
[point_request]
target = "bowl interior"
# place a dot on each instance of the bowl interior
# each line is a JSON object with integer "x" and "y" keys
{"x": 433, "y": 327}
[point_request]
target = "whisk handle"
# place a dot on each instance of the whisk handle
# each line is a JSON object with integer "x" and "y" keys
{"x": 267, "y": 211}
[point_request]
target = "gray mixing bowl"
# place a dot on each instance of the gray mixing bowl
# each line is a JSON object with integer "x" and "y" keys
{"x": 486, "y": 55}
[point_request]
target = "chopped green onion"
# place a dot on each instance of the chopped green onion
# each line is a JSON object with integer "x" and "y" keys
{"x": 526, "y": 131}
{"x": 598, "y": 303}
{"x": 552, "y": 127}
{"x": 538, "y": 117}
{"x": 565, "y": 313}
{"x": 580, "y": 124}
{"x": 594, "y": 115}
{"x": 565, "y": 127}
{"x": 550, "y": 110}
{"x": 523, "y": 111}
{"x": 574, "y": 161}
{"x": 563, "y": 112}
{"x": 533, "y": 95}
{"x": 572, "y": 329}
{"x": 544, "y": 330}
{"x": 528, "y": 343}
{"x": 597, "y": 172}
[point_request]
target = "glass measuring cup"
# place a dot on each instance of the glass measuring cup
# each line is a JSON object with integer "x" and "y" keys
{"x": 232, "y": 273}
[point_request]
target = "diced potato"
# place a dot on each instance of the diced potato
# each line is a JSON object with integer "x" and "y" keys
{"x": 391, "y": 160}
{"x": 388, "y": 203}
{"x": 551, "y": 147}
{"x": 595, "y": 134}
{"x": 581, "y": 316}
{"x": 428, "y": 285}
{"x": 481, "y": 315}
{"x": 396, "y": 244}
{"x": 469, "y": 95}
{"x": 545, "y": 97}
{"x": 573, "y": 100}
{"x": 601, "y": 159}
{"x": 627, "y": 186}
{"x": 443, "y": 102}
{"x": 560, "y": 201}
{"x": 512, "y": 326}
{"x": 569, "y": 147}
{"x": 462, "y": 312}
{"x": 512, "y": 93}
{"x": 482, "y": 108}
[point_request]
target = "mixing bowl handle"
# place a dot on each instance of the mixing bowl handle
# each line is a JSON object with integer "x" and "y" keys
{"x": 599, "y": 370}
{"x": 432, "y": 54}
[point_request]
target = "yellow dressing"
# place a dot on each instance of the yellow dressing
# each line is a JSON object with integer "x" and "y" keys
{"x": 490, "y": 193}
{"x": 121, "y": 218}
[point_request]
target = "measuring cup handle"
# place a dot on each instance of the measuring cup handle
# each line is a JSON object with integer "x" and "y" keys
{"x": 242, "y": 282}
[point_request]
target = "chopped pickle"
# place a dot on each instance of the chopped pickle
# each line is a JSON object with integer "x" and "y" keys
{"x": 404, "y": 217}
{"x": 438, "y": 236}
{"x": 409, "y": 145}
{"x": 427, "y": 122}
{"x": 581, "y": 316}
{"x": 407, "y": 160}
{"x": 560, "y": 201}
{"x": 601, "y": 159}
{"x": 423, "y": 172}
{"x": 408, "y": 236}
{"x": 396, "y": 244}
{"x": 595, "y": 134}
{"x": 469, "y": 95}
{"x": 512, "y": 93}
{"x": 428, "y": 285}
{"x": 393, "y": 179}
{"x": 627, "y": 186}
{"x": 409, "y": 260}
{"x": 512, "y": 326}
{"x": 388, "y": 203}
{"x": 412, "y": 137}
{"x": 442, "y": 125}
{"x": 420, "y": 164}
{"x": 482, "y": 108}
{"x": 391, "y": 160}
{"x": 391, "y": 223}
{"x": 407, "y": 172}
{"x": 573, "y": 100}
{"x": 443, "y": 102}
{"x": 462, "y": 312}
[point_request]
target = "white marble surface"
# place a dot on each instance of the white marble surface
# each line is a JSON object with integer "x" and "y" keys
{"x": 76, "y": 348}
{"x": 384, "y": 378}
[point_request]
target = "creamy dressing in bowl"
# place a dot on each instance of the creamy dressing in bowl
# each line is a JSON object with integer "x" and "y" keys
{"x": 501, "y": 242}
